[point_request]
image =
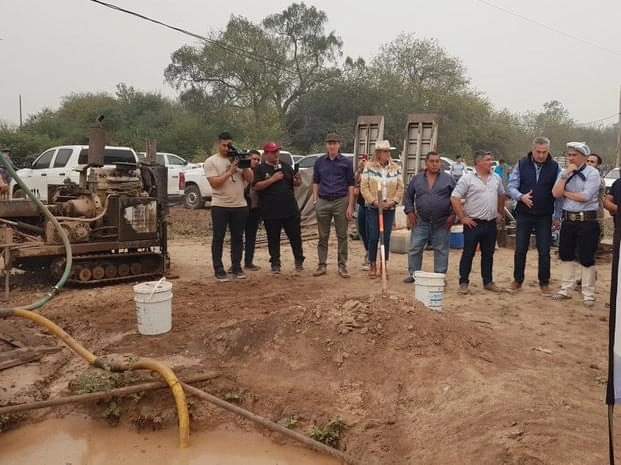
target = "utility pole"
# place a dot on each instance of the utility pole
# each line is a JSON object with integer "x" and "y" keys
{"x": 619, "y": 134}
{"x": 20, "y": 111}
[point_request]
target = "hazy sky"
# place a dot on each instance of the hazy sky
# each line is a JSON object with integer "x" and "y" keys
{"x": 51, "y": 48}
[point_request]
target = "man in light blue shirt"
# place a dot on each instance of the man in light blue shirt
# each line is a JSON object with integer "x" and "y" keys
{"x": 578, "y": 187}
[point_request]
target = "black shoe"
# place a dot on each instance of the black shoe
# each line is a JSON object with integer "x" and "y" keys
{"x": 239, "y": 274}
{"x": 299, "y": 267}
{"x": 276, "y": 269}
{"x": 222, "y": 277}
{"x": 252, "y": 267}
{"x": 409, "y": 279}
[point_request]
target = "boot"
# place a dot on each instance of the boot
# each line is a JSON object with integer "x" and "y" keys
{"x": 568, "y": 279}
{"x": 589, "y": 274}
{"x": 372, "y": 270}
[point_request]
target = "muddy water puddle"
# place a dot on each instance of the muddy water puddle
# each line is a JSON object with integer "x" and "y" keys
{"x": 76, "y": 441}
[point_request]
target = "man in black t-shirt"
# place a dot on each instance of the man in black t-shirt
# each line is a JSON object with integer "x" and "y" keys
{"x": 613, "y": 200}
{"x": 274, "y": 182}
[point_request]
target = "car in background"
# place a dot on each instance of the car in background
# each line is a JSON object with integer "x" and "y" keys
{"x": 448, "y": 162}
{"x": 611, "y": 177}
{"x": 176, "y": 177}
{"x": 57, "y": 164}
{"x": 297, "y": 158}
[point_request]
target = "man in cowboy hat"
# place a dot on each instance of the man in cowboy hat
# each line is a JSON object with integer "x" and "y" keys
{"x": 333, "y": 197}
{"x": 578, "y": 186}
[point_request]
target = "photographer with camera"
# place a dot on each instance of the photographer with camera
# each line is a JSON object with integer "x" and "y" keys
{"x": 228, "y": 204}
{"x": 274, "y": 182}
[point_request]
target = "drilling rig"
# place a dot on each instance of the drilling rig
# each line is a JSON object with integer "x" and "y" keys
{"x": 115, "y": 218}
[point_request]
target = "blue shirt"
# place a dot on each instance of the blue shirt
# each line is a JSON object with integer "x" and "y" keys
{"x": 500, "y": 171}
{"x": 432, "y": 205}
{"x": 515, "y": 194}
{"x": 334, "y": 177}
{"x": 587, "y": 182}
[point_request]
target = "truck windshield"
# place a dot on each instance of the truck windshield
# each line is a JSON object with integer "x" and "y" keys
{"x": 111, "y": 156}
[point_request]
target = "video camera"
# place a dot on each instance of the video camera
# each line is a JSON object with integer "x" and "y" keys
{"x": 242, "y": 157}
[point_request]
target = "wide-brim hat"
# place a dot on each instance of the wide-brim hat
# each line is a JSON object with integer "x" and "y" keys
{"x": 383, "y": 145}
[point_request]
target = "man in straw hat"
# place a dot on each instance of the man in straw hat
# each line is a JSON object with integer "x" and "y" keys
{"x": 578, "y": 186}
{"x": 333, "y": 197}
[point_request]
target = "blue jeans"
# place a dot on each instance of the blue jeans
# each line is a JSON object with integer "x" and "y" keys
{"x": 373, "y": 231}
{"x": 362, "y": 226}
{"x": 542, "y": 226}
{"x": 421, "y": 235}
{"x": 484, "y": 235}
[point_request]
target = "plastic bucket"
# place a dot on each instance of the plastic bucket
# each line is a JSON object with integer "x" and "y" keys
{"x": 153, "y": 307}
{"x": 456, "y": 237}
{"x": 430, "y": 289}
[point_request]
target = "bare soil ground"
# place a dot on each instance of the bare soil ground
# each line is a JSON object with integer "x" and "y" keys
{"x": 493, "y": 379}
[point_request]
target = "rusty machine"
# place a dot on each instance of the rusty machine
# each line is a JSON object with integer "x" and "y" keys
{"x": 115, "y": 219}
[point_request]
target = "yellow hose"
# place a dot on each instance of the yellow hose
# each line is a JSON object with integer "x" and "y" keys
{"x": 142, "y": 363}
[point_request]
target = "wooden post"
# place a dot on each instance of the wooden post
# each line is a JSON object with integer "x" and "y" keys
{"x": 20, "y": 111}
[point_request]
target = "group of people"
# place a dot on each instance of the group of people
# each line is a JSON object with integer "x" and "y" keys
{"x": 545, "y": 195}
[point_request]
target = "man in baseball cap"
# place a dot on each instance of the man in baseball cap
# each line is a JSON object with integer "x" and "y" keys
{"x": 275, "y": 182}
{"x": 578, "y": 187}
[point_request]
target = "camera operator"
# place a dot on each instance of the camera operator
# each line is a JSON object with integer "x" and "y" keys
{"x": 274, "y": 182}
{"x": 228, "y": 205}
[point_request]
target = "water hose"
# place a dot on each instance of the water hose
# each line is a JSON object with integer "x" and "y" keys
{"x": 116, "y": 365}
{"x": 141, "y": 363}
{"x": 61, "y": 232}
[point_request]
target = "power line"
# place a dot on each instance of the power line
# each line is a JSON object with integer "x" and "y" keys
{"x": 226, "y": 47}
{"x": 550, "y": 28}
{"x": 589, "y": 123}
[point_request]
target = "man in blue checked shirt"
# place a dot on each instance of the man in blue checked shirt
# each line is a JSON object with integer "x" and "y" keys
{"x": 530, "y": 185}
{"x": 578, "y": 186}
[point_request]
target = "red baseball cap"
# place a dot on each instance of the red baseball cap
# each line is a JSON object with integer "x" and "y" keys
{"x": 271, "y": 147}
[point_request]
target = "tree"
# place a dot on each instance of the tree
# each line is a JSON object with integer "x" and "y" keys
{"x": 258, "y": 72}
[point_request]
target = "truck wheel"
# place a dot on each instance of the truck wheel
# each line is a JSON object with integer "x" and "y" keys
{"x": 193, "y": 198}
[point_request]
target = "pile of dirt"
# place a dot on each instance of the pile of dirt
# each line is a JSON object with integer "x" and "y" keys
{"x": 183, "y": 222}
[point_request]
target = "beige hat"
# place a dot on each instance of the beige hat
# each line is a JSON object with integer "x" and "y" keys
{"x": 382, "y": 145}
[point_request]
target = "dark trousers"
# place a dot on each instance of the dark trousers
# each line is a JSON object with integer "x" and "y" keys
{"x": 235, "y": 220}
{"x": 374, "y": 232}
{"x": 362, "y": 226}
{"x": 542, "y": 227}
{"x": 484, "y": 235}
{"x": 250, "y": 234}
{"x": 292, "y": 228}
{"x": 579, "y": 241}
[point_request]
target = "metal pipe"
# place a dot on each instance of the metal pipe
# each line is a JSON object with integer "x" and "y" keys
{"x": 141, "y": 363}
{"x": 88, "y": 220}
{"x": 22, "y": 225}
{"x": 310, "y": 442}
{"x": 100, "y": 395}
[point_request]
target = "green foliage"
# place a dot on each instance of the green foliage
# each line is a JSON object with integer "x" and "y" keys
{"x": 282, "y": 79}
{"x": 330, "y": 433}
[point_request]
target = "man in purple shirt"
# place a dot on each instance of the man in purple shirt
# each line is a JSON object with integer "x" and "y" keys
{"x": 333, "y": 197}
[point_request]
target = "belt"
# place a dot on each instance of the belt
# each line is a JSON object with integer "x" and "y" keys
{"x": 484, "y": 221}
{"x": 580, "y": 216}
{"x": 331, "y": 198}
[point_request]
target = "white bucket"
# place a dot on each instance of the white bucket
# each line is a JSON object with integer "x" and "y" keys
{"x": 430, "y": 289}
{"x": 153, "y": 307}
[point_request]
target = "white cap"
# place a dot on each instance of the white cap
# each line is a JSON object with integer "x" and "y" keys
{"x": 580, "y": 147}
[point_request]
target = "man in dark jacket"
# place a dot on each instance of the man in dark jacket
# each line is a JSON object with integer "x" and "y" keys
{"x": 530, "y": 185}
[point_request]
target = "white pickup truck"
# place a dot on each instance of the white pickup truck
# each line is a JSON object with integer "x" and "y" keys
{"x": 177, "y": 166}
{"x": 55, "y": 165}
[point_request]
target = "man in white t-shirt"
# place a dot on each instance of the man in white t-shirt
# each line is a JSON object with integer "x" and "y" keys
{"x": 458, "y": 168}
{"x": 228, "y": 206}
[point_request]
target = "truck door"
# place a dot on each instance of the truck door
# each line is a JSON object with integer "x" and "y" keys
{"x": 59, "y": 169}
{"x": 40, "y": 172}
{"x": 421, "y": 137}
{"x": 369, "y": 129}
{"x": 175, "y": 166}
